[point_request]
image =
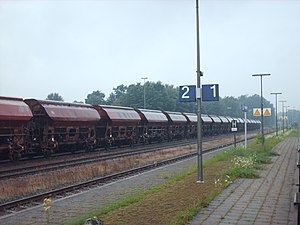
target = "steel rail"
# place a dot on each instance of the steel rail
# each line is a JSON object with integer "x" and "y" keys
{"x": 8, "y": 173}
{"x": 37, "y": 199}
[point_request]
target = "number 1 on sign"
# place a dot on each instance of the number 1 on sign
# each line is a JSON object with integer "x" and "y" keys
{"x": 214, "y": 90}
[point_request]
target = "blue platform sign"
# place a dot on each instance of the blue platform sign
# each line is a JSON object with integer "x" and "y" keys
{"x": 210, "y": 92}
{"x": 187, "y": 93}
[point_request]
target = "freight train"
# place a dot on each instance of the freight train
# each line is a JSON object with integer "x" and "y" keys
{"x": 39, "y": 127}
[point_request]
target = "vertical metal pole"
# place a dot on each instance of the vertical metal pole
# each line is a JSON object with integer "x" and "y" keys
{"x": 286, "y": 115}
{"x": 144, "y": 96}
{"x": 261, "y": 112}
{"x": 276, "y": 111}
{"x": 199, "y": 120}
{"x": 276, "y": 125}
{"x": 283, "y": 116}
{"x": 234, "y": 139}
{"x": 298, "y": 166}
{"x": 292, "y": 119}
{"x": 261, "y": 107}
{"x": 144, "y": 78}
{"x": 245, "y": 117}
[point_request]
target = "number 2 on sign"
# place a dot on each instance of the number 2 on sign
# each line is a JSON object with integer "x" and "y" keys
{"x": 214, "y": 90}
{"x": 186, "y": 90}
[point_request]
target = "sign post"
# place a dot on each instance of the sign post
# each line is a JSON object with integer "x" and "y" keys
{"x": 199, "y": 120}
{"x": 245, "y": 110}
{"x": 192, "y": 93}
{"x": 234, "y": 130}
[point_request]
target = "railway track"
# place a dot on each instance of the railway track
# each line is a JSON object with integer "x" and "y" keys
{"x": 8, "y": 172}
{"x": 28, "y": 202}
{"x": 18, "y": 172}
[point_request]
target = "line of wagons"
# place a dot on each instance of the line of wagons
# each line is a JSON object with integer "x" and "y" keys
{"x": 34, "y": 127}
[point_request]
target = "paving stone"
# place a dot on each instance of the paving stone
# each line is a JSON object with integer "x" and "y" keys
{"x": 268, "y": 200}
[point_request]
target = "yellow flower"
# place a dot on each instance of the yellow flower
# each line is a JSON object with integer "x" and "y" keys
{"x": 46, "y": 208}
{"x": 46, "y": 203}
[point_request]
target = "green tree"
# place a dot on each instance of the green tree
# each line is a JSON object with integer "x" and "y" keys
{"x": 115, "y": 97}
{"x": 165, "y": 97}
{"x": 158, "y": 96}
{"x": 133, "y": 97}
{"x": 95, "y": 98}
{"x": 55, "y": 97}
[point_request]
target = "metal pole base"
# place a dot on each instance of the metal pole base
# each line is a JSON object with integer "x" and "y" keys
{"x": 200, "y": 181}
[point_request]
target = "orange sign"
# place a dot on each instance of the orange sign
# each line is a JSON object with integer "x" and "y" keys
{"x": 267, "y": 112}
{"x": 257, "y": 112}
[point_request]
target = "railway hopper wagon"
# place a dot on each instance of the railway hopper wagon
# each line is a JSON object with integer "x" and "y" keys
{"x": 240, "y": 124}
{"x": 36, "y": 127}
{"x": 118, "y": 126}
{"x": 229, "y": 118}
{"x": 191, "y": 127}
{"x": 207, "y": 125}
{"x": 154, "y": 125}
{"x": 14, "y": 116}
{"x": 253, "y": 124}
{"x": 225, "y": 125}
{"x": 216, "y": 127}
{"x": 58, "y": 126}
{"x": 177, "y": 125}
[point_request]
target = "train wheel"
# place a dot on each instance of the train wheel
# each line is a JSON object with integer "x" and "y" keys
{"x": 107, "y": 146}
{"x": 14, "y": 157}
{"x": 13, "y": 154}
{"x": 47, "y": 153}
{"x": 87, "y": 148}
{"x": 131, "y": 143}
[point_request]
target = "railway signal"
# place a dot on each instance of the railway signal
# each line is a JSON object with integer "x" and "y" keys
{"x": 245, "y": 110}
{"x": 234, "y": 130}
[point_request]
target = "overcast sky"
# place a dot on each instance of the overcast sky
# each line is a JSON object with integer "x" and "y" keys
{"x": 77, "y": 47}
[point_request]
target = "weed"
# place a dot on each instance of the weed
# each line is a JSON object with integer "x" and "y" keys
{"x": 47, "y": 206}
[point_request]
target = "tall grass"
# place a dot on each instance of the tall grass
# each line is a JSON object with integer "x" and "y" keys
{"x": 245, "y": 163}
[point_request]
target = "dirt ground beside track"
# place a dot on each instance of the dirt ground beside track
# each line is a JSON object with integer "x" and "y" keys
{"x": 164, "y": 206}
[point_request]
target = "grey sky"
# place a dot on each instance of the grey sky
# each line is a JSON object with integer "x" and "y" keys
{"x": 77, "y": 47}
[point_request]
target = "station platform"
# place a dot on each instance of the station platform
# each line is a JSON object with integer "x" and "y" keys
{"x": 263, "y": 201}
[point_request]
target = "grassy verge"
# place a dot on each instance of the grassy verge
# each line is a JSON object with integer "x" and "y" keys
{"x": 179, "y": 200}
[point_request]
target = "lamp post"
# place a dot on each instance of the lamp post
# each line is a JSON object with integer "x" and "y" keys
{"x": 276, "y": 121}
{"x": 282, "y": 115}
{"x": 286, "y": 113}
{"x": 261, "y": 106}
{"x": 292, "y": 120}
{"x": 144, "y": 78}
{"x": 199, "y": 119}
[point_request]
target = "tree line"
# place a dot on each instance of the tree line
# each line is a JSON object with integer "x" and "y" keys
{"x": 165, "y": 97}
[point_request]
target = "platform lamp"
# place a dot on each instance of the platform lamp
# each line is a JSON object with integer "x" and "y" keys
{"x": 276, "y": 119}
{"x": 144, "y": 78}
{"x": 292, "y": 120}
{"x": 282, "y": 115}
{"x": 261, "y": 105}
{"x": 286, "y": 113}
